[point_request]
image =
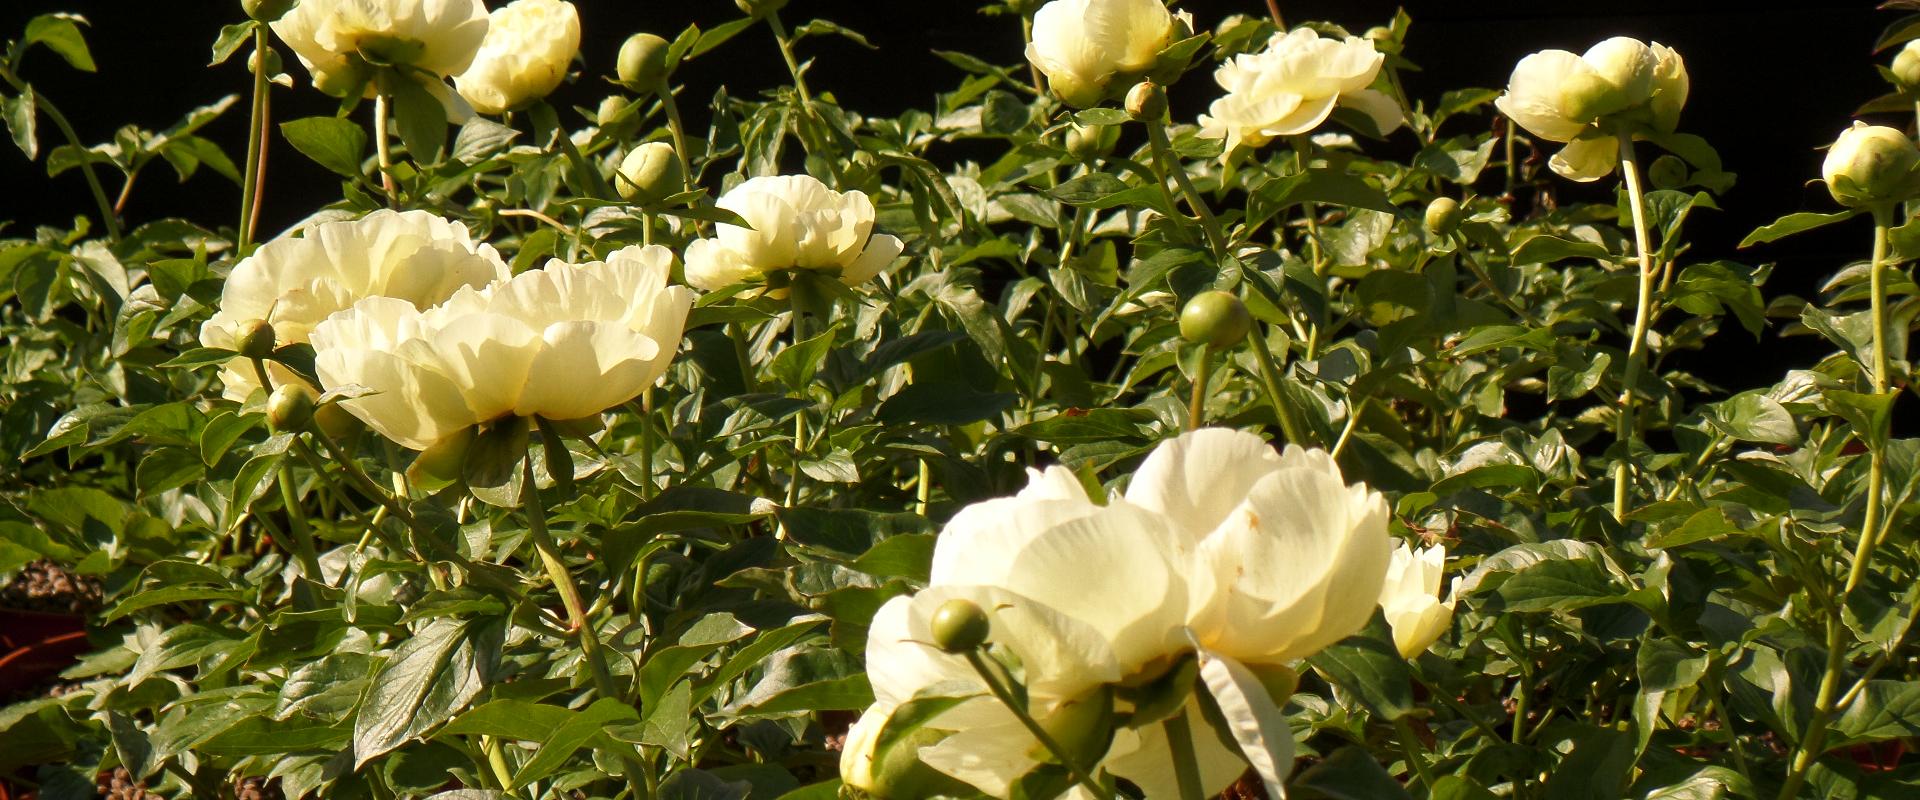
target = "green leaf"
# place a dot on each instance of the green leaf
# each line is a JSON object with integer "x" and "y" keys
{"x": 61, "y": 34}
{"x": 334, "y": 143}
{"x": 1752, "y": 416}
{"x": 796, "y": 365}
{"x": 429, "y": 678}
{"x": 580, "y": 729}
{"x": 1335, "y": 187}
{"x": 420, "y": 119}
{"x": 1598, "y": 768}
{"x": 1368, "y": 665}
{"x": 907, "y": 556}
{"x": 232, "y": 37}
{"x": 943, "y": 404}
{"x": 1549, "y": 249}
{"x": 22, "y": 112}
{"x": 1349, "y": 773}
{"x": 1791, "y": 224}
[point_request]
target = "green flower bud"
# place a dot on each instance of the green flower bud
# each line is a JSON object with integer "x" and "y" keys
{"x": 1668, "y": 172}
{"x": 642, "y": 65}
{"x": 1215, "y": 318}
{"x": 1443, "y": 216}
{"x": 266, "y": 10}
{"x": 255, "y": 339}
{"x": 650, "y": 173}
{"x": 1871, "y": 165}
{"x": 759, "y": 8}
{"x": 290, "y": 408}
{"x": 1090, "y": 142}
{"x": 959, "y": 626}
{"x": 609, "y": 110}
{"x": 1906, "y": 66}
{"x": 1147, "y": 102}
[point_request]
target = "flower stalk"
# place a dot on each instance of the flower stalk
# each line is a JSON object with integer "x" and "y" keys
{"x": 254, "y": 181}
{"x": 1019, "y": 709}
{"x": 1626, "y": 428}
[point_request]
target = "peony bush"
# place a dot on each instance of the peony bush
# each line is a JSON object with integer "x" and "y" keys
{"x": 775, "y": 451}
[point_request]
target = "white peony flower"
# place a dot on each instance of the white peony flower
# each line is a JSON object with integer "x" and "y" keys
{"x": 1262, "y": 558}
{"x": 294, "y": 283}
{"x": 1293, "y": 85}
{"x": 1411, "y": 599}
{"x": 337, "y": 40}
{"x": 1562, "y": 97}
{"x": 530, "y": 45}
{"x": 1090, "y": 48}
{"x": 798, "y": 223}
{"x": 563, "y": 342}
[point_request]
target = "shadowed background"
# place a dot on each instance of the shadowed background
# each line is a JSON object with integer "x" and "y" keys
{"x": 1770, "y": 85}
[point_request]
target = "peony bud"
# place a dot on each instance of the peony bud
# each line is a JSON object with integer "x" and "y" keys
{"x": 1906, "y": 66}
{"x": 1147, "y": 102}
{"x": 1215, "y": 318}
{"x": 1871, "y": 165}
{"x": 255, "y": 339}
{"x": 1090, "y": 142}
{"x": 642, "y": 64}
{"x": 650, "y": 173}
{"x": 959, "y": 626}
{"x": 759, "y": 8}
{"x": 290, "y": 408}
{"x": 266, "y": 10}
{"x": 1668, "y": 172}
{"x": 1443, "y": 216}
{"x": 609, "y": 111}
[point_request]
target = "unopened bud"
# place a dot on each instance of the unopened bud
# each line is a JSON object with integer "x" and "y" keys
{"x": 642, "y": 65}
{"x": 1147, "y": 102}
{"x": 609, "y": 111}
{"x": 759, "y": 8}
{"x": 1906, "y": 66}
{"x": 290, "y": 408}
{"x": 1443, "y": 216}
{"x": 1215, "y": 318}
{"x": 651, "y": 173}
{"x": 1667, "y": 172}
{"x": 959, "y": 626}
{"x": 255, "y": 339}
{"x": 266, "y": 10}
{"x": 1871, "y": 165}
{"x": 1088, "y": 142}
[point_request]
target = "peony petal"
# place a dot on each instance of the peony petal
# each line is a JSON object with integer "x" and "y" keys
{"x": 1196, "y": 479}
{"x": 1587, "y": 159}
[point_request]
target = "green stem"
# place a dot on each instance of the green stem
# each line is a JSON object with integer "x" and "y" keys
{"x": 1186, "y": 765}
{"x": 1080, "y": 774}
{"x": 544, "y": 116}
{"x": 577, "y": 622}
{"x": 1626, "y": 431}
{"x": 1412, "y": 750}
{"x": 1824, "y": 706}
{"x": 1165, "y": 164}
{"x": 256, "y": 138}
{"x": 303, "y": 548}
{"x": 646, "y": 440}
{"x": 384, "y": 149}
{"x": 1290, "y": 423}
{"x": 1197, "y": 405}
{"x": 46, "y": 107}
{"x": 678, "y": 131}
{"x": 786, "y": 52}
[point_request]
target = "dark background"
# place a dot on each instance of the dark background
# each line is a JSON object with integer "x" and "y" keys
{"x": 1770, "y": 85}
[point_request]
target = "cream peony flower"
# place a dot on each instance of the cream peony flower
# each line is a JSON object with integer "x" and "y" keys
{"x": 563, "y": 342}
{"x": 337, "y": 40}
{"x": 1259, "y": 558}
{"x": 1578, "y": 99}
{"x": 1871, "y": 164}
{"x": 1293, "y": 85}
{"x": 294, "y": 283}
{"x": 1090, "y": 48}
{"x": 1411, "y": 599}
{"x": 798, "y": 223}
{"x": 530, "y": 45}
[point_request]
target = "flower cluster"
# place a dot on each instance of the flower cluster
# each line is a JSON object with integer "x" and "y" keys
{"x": 1619, "y": 87}
{"x": 1221, "y": 549}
